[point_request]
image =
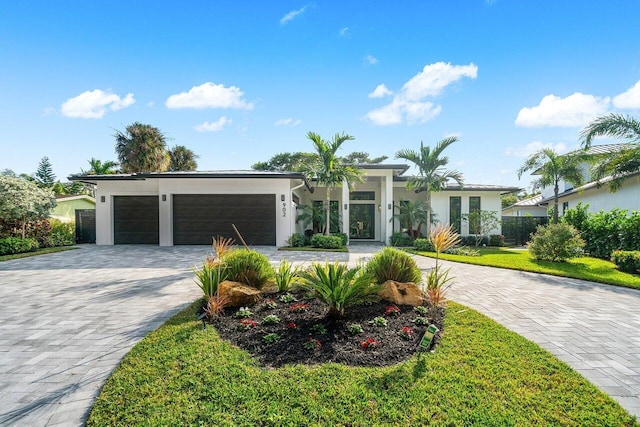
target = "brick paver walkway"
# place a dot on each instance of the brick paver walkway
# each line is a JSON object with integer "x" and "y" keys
{"x": 67, "y": 319}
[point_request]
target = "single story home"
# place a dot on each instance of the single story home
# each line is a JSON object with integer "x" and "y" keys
{"x": 66, "y": 206}
{"x": 527, "y": 207}
{"x": 189, "y": 208}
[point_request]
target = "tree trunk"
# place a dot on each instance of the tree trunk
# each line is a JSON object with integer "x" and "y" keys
{"x": 555, "y": 203}
{"x": 24, "y": 227}
{"x": 328, "y": 212}
{"x": 428, "y": 211}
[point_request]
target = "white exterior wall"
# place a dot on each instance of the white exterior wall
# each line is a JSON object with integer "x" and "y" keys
{"x": 525, "y": 211}
{"x": 626, "y": 197}
{"x": 171, "y": 186}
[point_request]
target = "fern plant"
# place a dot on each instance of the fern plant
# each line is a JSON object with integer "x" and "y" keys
{"x": 339, "y": 286}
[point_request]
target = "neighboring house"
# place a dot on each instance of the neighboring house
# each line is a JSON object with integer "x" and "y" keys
{"x": 66, "y": 206}
{"x": 596, "y": 194}
{"x": 182, "y": 208}
{"x": 526, "y": 207}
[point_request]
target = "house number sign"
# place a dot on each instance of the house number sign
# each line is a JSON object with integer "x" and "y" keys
{"x": 284, "y": 209}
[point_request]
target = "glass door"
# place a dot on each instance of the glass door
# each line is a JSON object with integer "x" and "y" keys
{"x": 362, "y": 221}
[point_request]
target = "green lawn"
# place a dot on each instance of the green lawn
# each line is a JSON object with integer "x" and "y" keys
{"x": 311, "y": 249}
{"x": 480, "y": 374}
{"x": 586, "y": 268}
{"x": 37, "y": 252}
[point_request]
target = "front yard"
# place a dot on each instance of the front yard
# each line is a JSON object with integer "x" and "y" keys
{"x": 585, "y": 268}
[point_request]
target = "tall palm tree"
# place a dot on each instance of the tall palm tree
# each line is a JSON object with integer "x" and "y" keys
{"x": 412, "y": 215}
{"x": 432, "y": 177}
{"x": 553, "y": 168}
{"x": 182, "y": 159}
{"x": 328, "y": 170}
{"x": 142, "y": 148}
{"x": 98, "y": 167}
{"x": 619, "y": 163}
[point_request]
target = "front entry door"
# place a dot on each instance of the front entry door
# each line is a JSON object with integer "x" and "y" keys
{"x": 361, "y": 221}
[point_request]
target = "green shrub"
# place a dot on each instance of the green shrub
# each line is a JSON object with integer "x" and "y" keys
{"x": 496, "y": 240}
{"x": 473, "y": 241}
{"x": 423, "y": 245}
{"x": 249, "y": 267}
{"x": 343, "y": 238}
{"x": 630, "y": 232}
{"x": 627, "y": 261}
{"x": 17, "y": 245}
{"x": 209, "y": 276}
{"x": 62, "y": 233}
{"x": 286, "y": 275}
{"x": 339, "y": 287}
{"x": 393, "y": 264}
{"x": 400, "y": 239}
{"x": 577, "y": 217}
{"x": 556, "y": 242}
{"x": 297, "y": 240}
{"x": 326, "y": 242}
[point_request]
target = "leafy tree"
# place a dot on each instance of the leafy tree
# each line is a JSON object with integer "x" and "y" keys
{"x": 619, "y": 163}
{"x": 481, "y": 223}
{"x": 314, "y": 215}
{"x": 23, "y": 201}
{"x": 298, "y": 161}
{"x": 553, "y": 168}
{"x": 142, "y": 148}
{"x": 328, "y": 170}
{"x": 44, "y": 176}
{"x": 412, "y": 215}
{"x": 7, "y": 172}
{"x": 431, "y": 173}
{"x": 182, "y": 159}
{"x": 98, "y": 167}
{"x": 68, "y": 188}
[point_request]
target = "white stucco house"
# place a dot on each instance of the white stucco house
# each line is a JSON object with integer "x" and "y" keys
{"x": 596, "y": 194}
{"x": 527, "y": 207}
{"x": 182, "y": 208}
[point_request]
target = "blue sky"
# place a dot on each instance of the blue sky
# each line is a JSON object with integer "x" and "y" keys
{"x": 239, "y": 81}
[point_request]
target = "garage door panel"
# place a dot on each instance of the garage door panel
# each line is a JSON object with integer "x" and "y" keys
{"x": 135, "y": 220}
{"x": 197, "y": 218}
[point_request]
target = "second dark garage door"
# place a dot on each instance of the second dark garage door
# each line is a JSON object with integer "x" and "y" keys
{"x": 197, "y": 218}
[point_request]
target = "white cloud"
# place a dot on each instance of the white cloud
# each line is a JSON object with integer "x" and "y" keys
{"x": 535, "y": 146}
{"x": 629, "y": 99}
{"x": 371, "y": 60}
{"x": 380, "y": 92}
{"x": 292, "y": 15}
{"x": 94, "y": 104}
{"x": 213, "y": 127}
{"x": 150, "y": 104}
{"x": 209, "y": 95}
{"x": 409, "y": 103}
{"x": 575, "y": 110}
{"x": 344, "y": 31}
{"x": 287, "y": 122}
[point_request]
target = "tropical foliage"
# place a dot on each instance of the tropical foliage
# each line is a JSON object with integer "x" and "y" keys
{"x": 44, "y": 176}
{"x": 556, "y": 243}
{"x": 481, "y": 223}
{"x": 438, "y": 281}
{"x": 248, "y": 267}
{"x": 339, "y": 286}
{"x": 298, "y": 161}
{"x": 619, "y": 163}
{"x": 432, "y": 175}
{"x": 411, "y": 215}
{"x": 552, "y": 169}
{"x": 182, "y": 159}
{"x": 98, "y": 167}
{"x": 328, "y": 170}
{"x": 24, "y": 201}
{"x": 142, "y": 148}
{"x": 393, "y": 264}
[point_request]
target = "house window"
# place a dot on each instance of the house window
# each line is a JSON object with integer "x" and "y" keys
{"x": 474, "y": 222}
{"x": 565, "y": 206}
{"x": 455, "y": 212}
{"x": 362, "y": 195}
{"x": 318, "y": 219}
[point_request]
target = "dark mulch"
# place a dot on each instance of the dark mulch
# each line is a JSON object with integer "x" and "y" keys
{"x": 337, "y": 344}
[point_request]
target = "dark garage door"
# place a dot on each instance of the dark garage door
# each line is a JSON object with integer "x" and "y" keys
{"x": 135, "y": 220}
{"x": 197, "y": 218}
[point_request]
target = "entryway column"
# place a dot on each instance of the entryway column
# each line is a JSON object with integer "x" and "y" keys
{"x": 345, "y": 208}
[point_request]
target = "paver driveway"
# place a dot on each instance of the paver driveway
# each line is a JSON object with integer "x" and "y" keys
{"x": 67, "y": 319}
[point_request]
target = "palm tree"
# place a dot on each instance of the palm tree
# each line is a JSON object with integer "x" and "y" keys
{"x": 142, "y": 148}
{"x": 328, "y": 170}
{"x": 98, "y": 167}
{"x": 619, "y": 163}
{"x": 411, "y": 214}
{"x": 182, "y": 159}
{"x": 431, "y": 173}
{"x": 552, "y": 168}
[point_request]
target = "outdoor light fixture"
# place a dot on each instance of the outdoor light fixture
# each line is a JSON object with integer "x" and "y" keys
{"x": 282, "y": 197}
{"x": 379, "y": 208}
{"x": 164, "y": 197}
{"x": 389, "y": 206}
{"x": 345, "y": 206}
{"x": 102, "y": 199}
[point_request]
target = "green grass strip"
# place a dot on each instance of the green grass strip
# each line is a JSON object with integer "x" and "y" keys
{"x": 585, "y": 268}
{"x": 481, "y": 374}
{"x": 37, "y": 252}
{"x": 311, "y": 249}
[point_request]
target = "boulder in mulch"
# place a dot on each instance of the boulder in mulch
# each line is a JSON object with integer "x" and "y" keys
{"x": 239, "y": 294}
{"x": 401, "y": 293}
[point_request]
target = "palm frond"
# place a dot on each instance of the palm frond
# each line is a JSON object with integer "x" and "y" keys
{"x": 613, "y": 125}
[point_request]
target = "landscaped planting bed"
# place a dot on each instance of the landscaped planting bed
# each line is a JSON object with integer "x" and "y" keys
{"x": 306, "y": 335}
{"x": 480, "y": 374}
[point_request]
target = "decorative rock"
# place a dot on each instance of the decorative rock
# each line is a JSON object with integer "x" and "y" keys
{"x": 401, "y": 293}
{"x": 239, "y": 294}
